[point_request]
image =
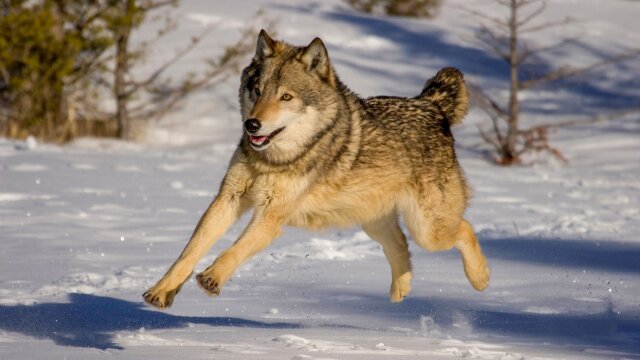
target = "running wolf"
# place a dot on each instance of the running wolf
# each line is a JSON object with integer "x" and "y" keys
{"x": 314, "y": 155}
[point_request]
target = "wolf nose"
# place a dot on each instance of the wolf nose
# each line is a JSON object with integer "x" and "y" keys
{"x": 252, "y": 125}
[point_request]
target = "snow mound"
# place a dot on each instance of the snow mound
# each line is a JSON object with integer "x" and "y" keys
{"x": 131, "y": 278}
{"x": 215, "y": 20}
{"x": 358, "y": 246}
{"x": 291, "y": 340}
{"x": 8, "y": 197}
{"x": 303, "y": 344}
{"x": 482, "y": 354}
{"x": 26, "y": 167}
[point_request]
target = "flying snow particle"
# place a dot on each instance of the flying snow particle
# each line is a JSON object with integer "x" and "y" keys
{"x": 380, "y": 346}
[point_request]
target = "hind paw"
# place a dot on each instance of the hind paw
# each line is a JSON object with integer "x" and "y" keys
{"x": 479, "y": 278}
{"x": 400, "y": 287}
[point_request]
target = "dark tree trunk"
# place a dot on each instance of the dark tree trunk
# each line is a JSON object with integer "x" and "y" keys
{"x": 121, "y": 69}
{"x": 509, "y": 154}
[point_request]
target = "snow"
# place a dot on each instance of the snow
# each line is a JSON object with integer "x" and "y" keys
{"x": 87, "y": 227}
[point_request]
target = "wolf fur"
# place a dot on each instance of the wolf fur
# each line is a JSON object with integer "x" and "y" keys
{"x": 323, "y": 157}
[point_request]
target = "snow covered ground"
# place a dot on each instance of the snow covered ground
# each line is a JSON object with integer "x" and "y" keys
{"x": 86, "y": 228}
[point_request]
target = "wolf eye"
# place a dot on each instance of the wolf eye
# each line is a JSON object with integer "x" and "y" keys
{"x": 286, "y": 97}
{"x": 256, "y": 91}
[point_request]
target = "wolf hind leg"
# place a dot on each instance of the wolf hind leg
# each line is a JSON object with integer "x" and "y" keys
{"x": 432, "y": 226}
{"x": 475, "y": 264}
{"x": 436, "y": 224}
{"x": 387, "y": 232}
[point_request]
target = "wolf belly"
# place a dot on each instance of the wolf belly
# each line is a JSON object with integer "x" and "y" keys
{"x": 325, "y": 207}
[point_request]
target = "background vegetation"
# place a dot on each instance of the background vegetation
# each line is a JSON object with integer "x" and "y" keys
{"x": 60, "y": 60}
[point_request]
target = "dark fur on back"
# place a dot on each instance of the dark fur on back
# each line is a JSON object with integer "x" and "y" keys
{"x": 364, "y": 133}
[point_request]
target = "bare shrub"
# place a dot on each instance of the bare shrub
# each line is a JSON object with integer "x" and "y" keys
{"x": 60, "y": 61}
{"x": 503, "y": 37}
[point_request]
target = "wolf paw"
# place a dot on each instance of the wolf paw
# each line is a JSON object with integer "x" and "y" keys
{"x": 209, "y": 284}
{"x": 479, "y": 278}
{"x": 158, "y": 298}
{"x": 400, "y": 288}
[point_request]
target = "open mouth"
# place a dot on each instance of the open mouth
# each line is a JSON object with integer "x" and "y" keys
{"x": 261, "y": 141}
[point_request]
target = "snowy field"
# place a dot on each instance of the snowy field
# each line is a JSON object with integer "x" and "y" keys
{"x": 87, "y": 227}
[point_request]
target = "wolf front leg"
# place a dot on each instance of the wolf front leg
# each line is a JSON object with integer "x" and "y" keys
{"x": 227, "y": 207}
{"x": 220, "y": 215}
{"x": 263, "y": 228}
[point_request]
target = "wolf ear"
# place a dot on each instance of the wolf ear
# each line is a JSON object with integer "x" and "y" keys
{"x": 316, "y": 58}
{"x": 266, "y": 45}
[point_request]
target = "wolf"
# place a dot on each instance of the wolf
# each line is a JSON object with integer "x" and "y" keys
{"x": 315, "y": 155}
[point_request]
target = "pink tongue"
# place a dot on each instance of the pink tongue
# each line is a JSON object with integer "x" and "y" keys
{"x": 258, "y": 139}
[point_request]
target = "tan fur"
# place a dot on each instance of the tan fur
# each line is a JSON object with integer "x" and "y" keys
{"x": 267, "y": 111}
{"x": 339, "y": 161}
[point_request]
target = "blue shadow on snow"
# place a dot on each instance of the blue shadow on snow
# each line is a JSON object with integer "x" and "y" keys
{"x": 90, "y": 320}
{"x": 581, "y": 254}
{"x": 603, "y": 329}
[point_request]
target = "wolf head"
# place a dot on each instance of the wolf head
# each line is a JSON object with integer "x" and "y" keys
{"x": 287, "y": 97}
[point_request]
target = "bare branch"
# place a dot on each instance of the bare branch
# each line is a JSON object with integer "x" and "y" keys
{"x": 152, "y": 5}
{"x": 534, "y": 14}
{"x": 537, "y": 139}
{"x": 529, "y": 52}
{"x": 85, "y": 21}
{"x": 590, "y": 120}
{"x": 159, "y": 71}
{"x": 567, "y": 71}
{"x": 493, "y": 43}
{"x": 220, "y": 69}
{"x": 496, "y": 130}
{"x": 503, "y": 2}
{"x": 169, "y": 26}
{"x": 86, "y": 68}
{"x": 496, "y": 21}
{"x": 144, "y": 112}
{"x": 485, "y": 101}
{"x": 548, "y": 25}
{"x": 489, "y": 140}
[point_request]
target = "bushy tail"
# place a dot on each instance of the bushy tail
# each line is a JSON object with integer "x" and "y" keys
{"x": 447, "y": 89}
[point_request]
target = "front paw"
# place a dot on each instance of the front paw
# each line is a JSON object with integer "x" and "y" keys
{"x": 209, "y": 283}
{"x": 158, "y": 298}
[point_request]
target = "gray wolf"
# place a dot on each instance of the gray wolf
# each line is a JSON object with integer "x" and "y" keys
{"x": 315, "y": 155}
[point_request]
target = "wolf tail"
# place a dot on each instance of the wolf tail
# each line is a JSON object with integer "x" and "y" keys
{"x": 447, "y": 90}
